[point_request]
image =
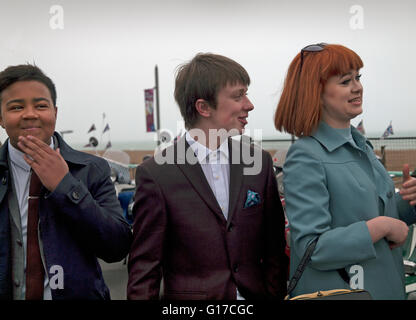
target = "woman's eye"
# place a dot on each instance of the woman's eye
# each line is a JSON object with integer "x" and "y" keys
{"x": 346, "y": 81}
{"x": 358, "y": 77}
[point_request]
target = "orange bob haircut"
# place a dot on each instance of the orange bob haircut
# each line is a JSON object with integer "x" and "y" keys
{"x": 299, "y": 109}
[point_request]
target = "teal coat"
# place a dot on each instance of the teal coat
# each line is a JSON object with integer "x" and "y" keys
{"x": 331, "y": 189}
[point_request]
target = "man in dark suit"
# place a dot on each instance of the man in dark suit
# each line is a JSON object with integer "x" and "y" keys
{"x": 207, "y": 221}
{"x": 51, "y": 235}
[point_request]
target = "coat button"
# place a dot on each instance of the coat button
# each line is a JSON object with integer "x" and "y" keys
{"x": 389, "y": 194}
{"x": 235, "y": 269}
{"x": 4, "y": 180}
{"x": 16, "y": 282}
{"x": 19, "y": 242}
{"x": 75, "y": 195}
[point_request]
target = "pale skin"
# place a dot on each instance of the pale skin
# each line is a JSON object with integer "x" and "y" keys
{"x": 230, "y": 114}
{"x": 342, "y": 101}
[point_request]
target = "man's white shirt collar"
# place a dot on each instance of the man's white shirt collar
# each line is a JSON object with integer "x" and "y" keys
{"x": 204, "y": 154}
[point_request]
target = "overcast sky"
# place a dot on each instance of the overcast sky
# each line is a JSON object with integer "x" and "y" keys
{"x": 104, "y": 57}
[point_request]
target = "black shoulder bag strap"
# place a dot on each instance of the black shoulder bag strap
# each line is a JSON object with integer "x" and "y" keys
{"x": 302, "y": 265}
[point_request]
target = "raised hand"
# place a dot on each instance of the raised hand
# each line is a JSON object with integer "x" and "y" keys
{"x": 408, "y": 190}
{"x": 48, "y": 164}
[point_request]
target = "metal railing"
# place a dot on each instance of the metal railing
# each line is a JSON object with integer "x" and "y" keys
{"x": 393, "y": 151}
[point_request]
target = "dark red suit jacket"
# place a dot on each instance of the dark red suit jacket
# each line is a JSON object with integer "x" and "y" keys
{"x": 182, "y": 237}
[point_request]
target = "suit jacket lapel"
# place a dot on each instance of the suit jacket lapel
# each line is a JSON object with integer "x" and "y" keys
{"x": 188, "y": 163}
{"x": 236, "y": 176}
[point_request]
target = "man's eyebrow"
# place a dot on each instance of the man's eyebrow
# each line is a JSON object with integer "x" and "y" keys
{"x": 22, "y": 100}
{"x": 240, "y": 91}
{"x": 14, "y": 101}
{"x": 40, "y": 99}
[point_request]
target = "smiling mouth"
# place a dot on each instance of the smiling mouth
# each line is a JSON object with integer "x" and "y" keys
{"x": 30, "y": 129}
{"x": 243, "y": 120}
{"x": 356, "y": 100}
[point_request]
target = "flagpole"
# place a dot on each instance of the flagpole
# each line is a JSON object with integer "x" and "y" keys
{"x": 157, "y": 105}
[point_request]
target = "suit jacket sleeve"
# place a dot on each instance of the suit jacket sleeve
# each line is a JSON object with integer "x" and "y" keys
{"x": 92, "y": 210}
{"x": 149, "y": 228}
{"x": 276, "y": 261}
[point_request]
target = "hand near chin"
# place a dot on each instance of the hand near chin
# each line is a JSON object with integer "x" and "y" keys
{"x": 48, "y": 164}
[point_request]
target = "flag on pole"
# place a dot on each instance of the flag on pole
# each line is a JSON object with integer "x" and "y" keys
{"x": 360, "y": 127}
{"x": 92, "y": 128}
{"x": 93, "y": 142}
{"x": 388, "y": 131}
{"x": 148, "y": 100}
{"x": 107, "y": 127}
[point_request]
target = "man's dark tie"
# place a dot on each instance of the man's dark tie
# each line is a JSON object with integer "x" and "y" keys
{"x": 34, "y": 267}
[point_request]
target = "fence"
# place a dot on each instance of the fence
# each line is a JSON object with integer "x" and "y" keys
{"x": 393, "y": 152}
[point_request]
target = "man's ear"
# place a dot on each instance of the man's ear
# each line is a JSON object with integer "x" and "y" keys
{"x": 203, "y": 108}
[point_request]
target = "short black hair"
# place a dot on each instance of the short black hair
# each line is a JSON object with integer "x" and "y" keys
{"x": 25, "y": 72}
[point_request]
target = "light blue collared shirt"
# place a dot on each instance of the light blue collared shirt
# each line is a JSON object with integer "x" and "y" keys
{"x": 21, "y": 180}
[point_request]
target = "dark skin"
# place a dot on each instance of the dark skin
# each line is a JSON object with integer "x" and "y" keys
{"x": 48, "y": 164}
{"x": 28, "y": 115}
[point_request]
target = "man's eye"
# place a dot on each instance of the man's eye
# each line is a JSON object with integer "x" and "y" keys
{"x": 42, "y": 106}
{"x": 15, "y": 107}
{"x": 241, "y": 95}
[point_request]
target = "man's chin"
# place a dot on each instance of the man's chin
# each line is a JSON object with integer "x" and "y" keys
{"x": 236, "y": 131}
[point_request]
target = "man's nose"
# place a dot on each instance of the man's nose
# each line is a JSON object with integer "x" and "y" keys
{"x": 30, "y": 112}
{"x": 248, "y": 106}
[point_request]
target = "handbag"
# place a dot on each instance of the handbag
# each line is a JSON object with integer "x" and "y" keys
{"x": 335, "y": 294}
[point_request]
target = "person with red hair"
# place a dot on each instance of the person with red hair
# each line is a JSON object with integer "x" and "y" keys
{"x": 336, "y": 190}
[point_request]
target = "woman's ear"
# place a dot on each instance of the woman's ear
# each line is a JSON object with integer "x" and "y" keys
{"x": 203, "y": 108}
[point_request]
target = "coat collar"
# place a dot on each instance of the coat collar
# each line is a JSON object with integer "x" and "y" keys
{"x": 69, "y": 154}
{"x": 4, "y": 155}
{"x": 332, "y": 140}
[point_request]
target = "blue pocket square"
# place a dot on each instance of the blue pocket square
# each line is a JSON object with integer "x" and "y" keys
{"x": 253, "y": 198}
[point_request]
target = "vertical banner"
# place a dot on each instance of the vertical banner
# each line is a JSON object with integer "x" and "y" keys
{"x": 148, "y": 99}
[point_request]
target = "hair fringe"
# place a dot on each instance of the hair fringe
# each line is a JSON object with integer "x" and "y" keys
{"x": 299, "y": 109}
